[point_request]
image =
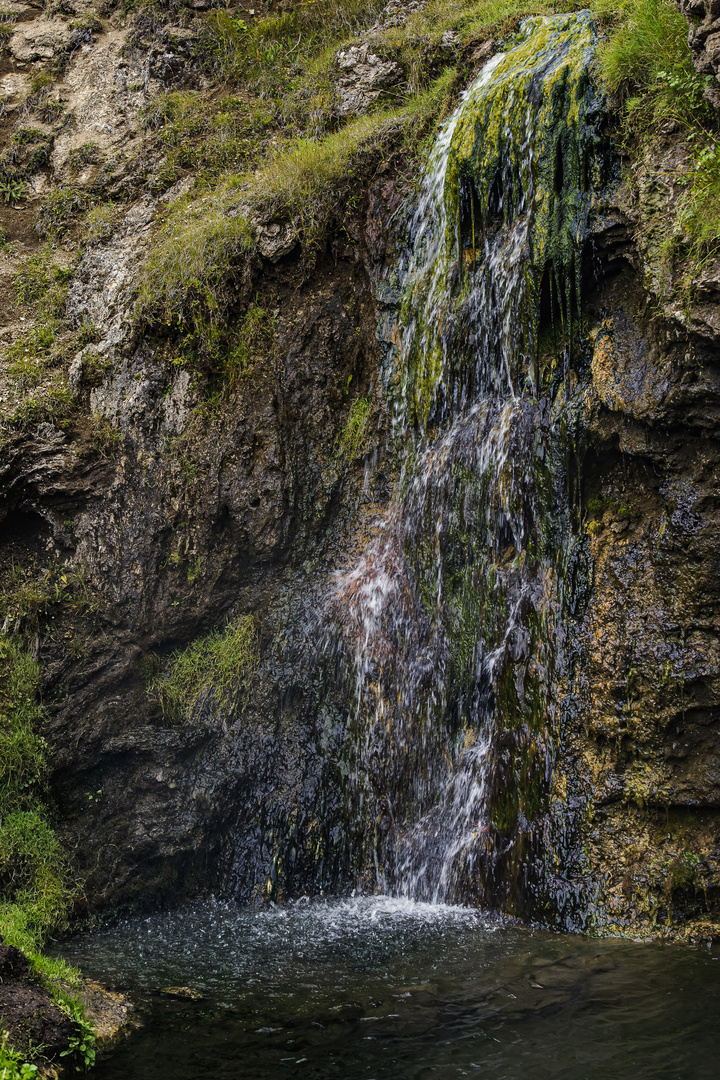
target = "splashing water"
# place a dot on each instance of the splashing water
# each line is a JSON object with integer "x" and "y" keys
{"x": 454, "y": 617}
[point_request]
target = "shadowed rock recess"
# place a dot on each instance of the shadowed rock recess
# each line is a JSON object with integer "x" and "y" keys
{"x": 389, "y": 560}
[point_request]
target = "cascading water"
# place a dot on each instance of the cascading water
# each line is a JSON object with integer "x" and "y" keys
{"x": 454, "y": 619}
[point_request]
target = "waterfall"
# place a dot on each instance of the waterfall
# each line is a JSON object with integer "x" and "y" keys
{"x": 454, "y": 620}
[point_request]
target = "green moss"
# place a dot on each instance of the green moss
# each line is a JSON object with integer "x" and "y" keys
{"x": 351, "y": 440}
{"x": 215, "y": 667}
{"x": 488, "y": 154}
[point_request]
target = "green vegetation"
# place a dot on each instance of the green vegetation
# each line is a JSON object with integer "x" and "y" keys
{"x": 88, "y": 154}
{"x": 203, "y": 239}
{"x": 351, "y": 440}
{"x": 35, "y": 887}
{"x": 284, "y": 66}
{"x": 249, "y": 174}
{"x": 216, "y": 666}
{"x": 32, "y": 596}
{"x": 37, "y": 360}
{"x": 254, "y": 336}
{"x": 647, "y": 66}
{"x": 99, "y": 223}
{"x": 13, "y": 1065}
{"x": 60, "y": 210}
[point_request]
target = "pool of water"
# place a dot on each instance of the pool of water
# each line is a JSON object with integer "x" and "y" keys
{"x": 388, "y": 989}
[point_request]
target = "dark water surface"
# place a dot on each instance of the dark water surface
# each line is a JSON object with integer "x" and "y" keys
{"x": 380, "y": 988}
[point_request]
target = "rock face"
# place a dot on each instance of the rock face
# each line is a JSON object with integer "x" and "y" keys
{"x": 362, "y": 78}
{"x": 649, "y": 742}
{"x": 703, "y": 18}
{"x": 155, "y": 514}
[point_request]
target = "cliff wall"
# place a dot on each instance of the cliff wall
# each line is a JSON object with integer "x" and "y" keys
{"x": 152, "y": 489}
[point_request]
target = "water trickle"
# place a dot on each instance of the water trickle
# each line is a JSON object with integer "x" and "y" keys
{"x": 453, "y": 620}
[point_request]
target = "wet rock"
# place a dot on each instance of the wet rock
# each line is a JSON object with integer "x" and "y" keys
{"x": 183, "y": 992}
{"x": 630, "y": 374}
{"x": 112, "y": 1015}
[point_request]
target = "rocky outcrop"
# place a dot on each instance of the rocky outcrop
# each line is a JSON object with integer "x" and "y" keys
{"x": 703, "y": 17}
{"x": 642, "y": 764}
{"x": 362, "y": 78}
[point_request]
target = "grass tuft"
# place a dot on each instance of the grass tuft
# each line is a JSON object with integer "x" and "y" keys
{"x": 214, "y": 667}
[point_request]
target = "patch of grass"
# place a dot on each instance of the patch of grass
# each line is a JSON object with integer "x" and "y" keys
{"x": 41, "y": 80}
{"x": 30, "y": 596}
{"x": 33, "y": 279}
{"x": 216, "y": 666}
{"x": 646, "y": 64}
{"x": 27, "y": 151}
{"x": 351, "y": 440}
{"x": 228, "y": 351}
{"x": 191, "y": 259}
{"x": 99, "y": 223}
{"x": 27, "y": 355}
{"x": 105, "y": 439}
{"x": 254, "y": 334}
{"x": 205, "y": 239}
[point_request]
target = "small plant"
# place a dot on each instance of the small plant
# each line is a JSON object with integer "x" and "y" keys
{"x": 59, "y": 209}
{"x": 11, "y": 190}
{"x": 51, "y": 112}
{"x": 12, "y": 1063}
{"x": 253, "y": 336}
{"x": 26, "y": 136}
{"x": 683, "y": 872}
{"x": 33, "y": 278}
{"x": 105, "y": 439}
{"x": 82, "y": 1046}
{"x": 88, "y": 333}
{"x": 99, "y": 223}
{"x": 41, "y": 80}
